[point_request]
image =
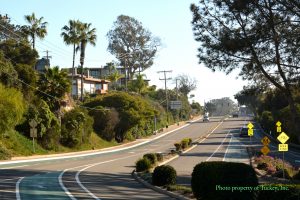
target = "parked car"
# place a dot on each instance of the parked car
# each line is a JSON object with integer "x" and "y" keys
{"x": 244, "y": 132}
{"x": 205, "y": 118}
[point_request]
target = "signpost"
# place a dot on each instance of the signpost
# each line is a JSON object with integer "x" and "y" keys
{"x": 33, "y": 131}
{"x": 250, "y": 131}
{"x": 283, "y": 138}
{"x": 278, "y": 124}
{"x": 175, "y": 105}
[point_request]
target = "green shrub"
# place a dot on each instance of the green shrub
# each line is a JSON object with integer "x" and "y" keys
{"x": 164, "y": 175}
{"x": 210, "y": 178}
{"x": 159, "y": 157}
{"x": 4, "y": 153}
{"x": 12, "y": 108}
{"x": 77, "y": 127}
{"x": 142, "y": 164}
{"x": 178, "y": 146}
{"x": 185, "y": 143}
{"x": 151, "y": 157}
{"x": 289, "y": 193}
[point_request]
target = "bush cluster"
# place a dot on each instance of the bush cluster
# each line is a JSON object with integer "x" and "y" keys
{"x": 183, "y": 144}
{"x": 274, "y": 166}
{"x": 207, "y": 176}
{"x": 164, "y": 175}
{"x": 151, "y": 157}
{"x": 142, "y": 164}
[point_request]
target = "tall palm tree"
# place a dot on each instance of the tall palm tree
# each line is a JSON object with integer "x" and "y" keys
{"x": 37, "y": 28}
{"x": 70, "y": 34}
{"x": 86, "y": 35}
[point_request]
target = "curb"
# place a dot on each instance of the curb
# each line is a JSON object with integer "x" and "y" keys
{"x": 158, "y": 189}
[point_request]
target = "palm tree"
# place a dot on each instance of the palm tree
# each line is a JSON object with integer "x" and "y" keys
{"x": 55, "y": 83}
{"x": 139, "y": 84}
{"x": 114, "y": 77}
{"x": 37, "y": 28}
{"x": 70, "y": 34}
{"x": 86, "y": 35}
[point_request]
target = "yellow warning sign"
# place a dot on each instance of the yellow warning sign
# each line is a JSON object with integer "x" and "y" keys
{"x": 265, "y": 141}
{"x": 265, "y": 150}
{"x": 283, "y": 147}
{"x": 250, "y": 132}
{"x": 250, "y": 126}
{"x": 278, "y": 123}
{"x": 278, "y": 129}
{"x": 283, "y": 138}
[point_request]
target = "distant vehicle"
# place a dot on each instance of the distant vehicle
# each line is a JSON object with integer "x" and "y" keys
{"x": 235, "y": 115}
{"x": 244, "y": 132}
{"x": 206, "y": 118}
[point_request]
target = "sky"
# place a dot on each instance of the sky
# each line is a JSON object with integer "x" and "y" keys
{"x": 170, "y": 20}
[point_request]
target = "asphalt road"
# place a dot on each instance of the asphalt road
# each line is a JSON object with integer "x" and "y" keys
{"x": 107, "y": 176}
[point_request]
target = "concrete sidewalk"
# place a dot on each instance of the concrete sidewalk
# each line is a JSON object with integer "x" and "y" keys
{"x": 120, "y": 147}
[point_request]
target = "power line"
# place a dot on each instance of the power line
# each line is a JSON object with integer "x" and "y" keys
{"x": 166, "y": 79}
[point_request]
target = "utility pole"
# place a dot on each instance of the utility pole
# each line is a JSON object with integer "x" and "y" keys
{"x": 165, "y": 79}
{"x": 47, "y": 55}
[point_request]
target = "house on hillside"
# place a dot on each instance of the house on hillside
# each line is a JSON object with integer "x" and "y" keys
{"x": 91, "y": 85}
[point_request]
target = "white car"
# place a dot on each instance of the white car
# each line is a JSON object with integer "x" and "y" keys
{"x": 205, "y": 118}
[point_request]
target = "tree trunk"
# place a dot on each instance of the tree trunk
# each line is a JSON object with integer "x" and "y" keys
{"x": 73, "y": 65}
{"x": 82, "y": 54}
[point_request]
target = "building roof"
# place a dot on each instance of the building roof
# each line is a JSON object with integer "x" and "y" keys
{"x": 90, "y": 78}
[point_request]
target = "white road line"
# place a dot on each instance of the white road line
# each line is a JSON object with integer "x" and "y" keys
{"x": 78, "y": 173}
{"x": 227, "y": 147}
{"x": 218, "y": 147}
{"x": 13, "y": 167}
{"x": 18, "y": 196}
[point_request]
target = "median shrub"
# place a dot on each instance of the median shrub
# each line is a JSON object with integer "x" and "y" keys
{"x": 164, "y": 175}
{"x": 159, "y": 157}
{"x": 210, "y": 179}
{"x": 297, "y": 176}
{"x": 178, "y": 146}
{"x": 143, "y": 164}
{"x": 185, "y": 143}
{"x": 151, "y": 157}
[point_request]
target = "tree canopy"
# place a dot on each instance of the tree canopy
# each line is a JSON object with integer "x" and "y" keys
{"x": 260, "y": 38}
{"x": 133, "y": 45}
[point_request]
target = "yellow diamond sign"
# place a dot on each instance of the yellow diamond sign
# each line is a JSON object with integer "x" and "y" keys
{"x": 265, "y": 150}
{"x": 278, "y": 123}
{"x": 265, "y": 141}
{"x": 283, "y": 138}
{"x": 283, "y": 147}
{"x": 250, "y": 126}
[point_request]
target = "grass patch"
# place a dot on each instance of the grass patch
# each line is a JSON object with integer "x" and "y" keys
{"x": 180, "y": 188}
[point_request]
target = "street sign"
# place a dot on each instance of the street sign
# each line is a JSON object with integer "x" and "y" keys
{"x": 175, "y": 104}
{"x": 278, "y": 123}
{"x": 250, "y": 132}
{"x": 33, "y": 132}
{"x": 283, "y": 147}
{"x": 265, "y": 150}
{"x": 250, "y": 126}
{"x": 265, "y": 141}
{"x": 279, "y": 129}
{"x": 283, "y": 138}
{"x": 33, "y": 123}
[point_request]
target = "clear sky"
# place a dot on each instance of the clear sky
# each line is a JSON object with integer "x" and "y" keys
{"x": 167, "y": 19}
